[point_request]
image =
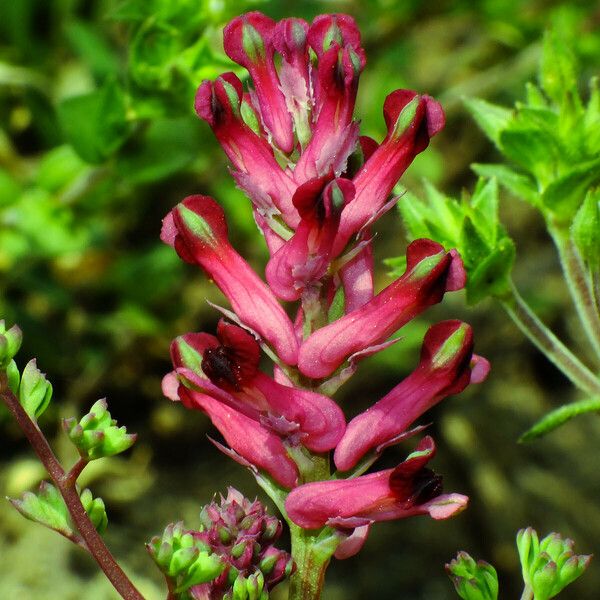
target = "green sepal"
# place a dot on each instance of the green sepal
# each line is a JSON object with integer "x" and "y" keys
{"x": 473, "y": 580}
{"x": 586, "y": 229}
{"x": 10, "y": 342}
{"x": 47, "y": 508}
{"x": 96, "y": 124}
{"x": 95, "y": 509}
{"x": 559, "y": 416}
{"x": 97, "y": 435}
{"x": 35, "y": 391}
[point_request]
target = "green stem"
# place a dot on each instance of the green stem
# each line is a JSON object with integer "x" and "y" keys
{"x": 549, "y": 344}
{"x": 579, "y": 284}
{"x": 311, "y": 563}
{"x": 66, "y": 485}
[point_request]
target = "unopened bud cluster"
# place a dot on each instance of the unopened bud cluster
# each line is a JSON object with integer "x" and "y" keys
{"x": 231, "y": 556}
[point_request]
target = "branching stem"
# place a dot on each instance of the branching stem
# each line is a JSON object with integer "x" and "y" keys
{"x": 65, "y": 483}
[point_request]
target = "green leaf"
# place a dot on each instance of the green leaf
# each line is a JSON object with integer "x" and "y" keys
{"x": 521, "y": 185}
{"x": 473, "y": 248}
{"x": 492, "y": 119}
{"x": 95, "y": 124}
{"x": 564, "y": 195}
{"x": 586, "y": 230}
{"x": 59, "y": 167}
{"x": 591, "y": 119}
{"x": 560, "y": 416}
{"x": 92, "y": 48}
{"x": 558, "y": 69}
{"x": 47, "y": 508}
{"x": 167, "y": 146}
{"x": 491, "y": 277}
{"x": 533, "y": 149}
{"x": 535, "y": 97}
{"x": 485, "y": 208}
{"x": 35, "y": 391}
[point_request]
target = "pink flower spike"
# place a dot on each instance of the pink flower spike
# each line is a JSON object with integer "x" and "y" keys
{"x": 411, "y": 120}
{"x": 219, "y": 103}
{"x": 409, "y": 489}
{"x": 305, "y": 258}
{"x": 247, "y": 40}
{"x": 442, "y": 371}
{"x": 430, "y": 272}
{"x": 202, "y": 239}
{"x": 246, "y": 436}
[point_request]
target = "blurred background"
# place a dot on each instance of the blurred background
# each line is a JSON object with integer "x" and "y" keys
{"x": 98, "y": 140}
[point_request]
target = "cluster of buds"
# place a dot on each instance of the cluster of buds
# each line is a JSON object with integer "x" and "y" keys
{"x": 231, "y": 556}
{"x": 316, "y": 187}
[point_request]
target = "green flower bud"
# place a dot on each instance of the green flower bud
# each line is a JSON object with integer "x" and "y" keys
{"x": 10, "y": 342}
{"x": 473, "y": 580}
{"x": 35, "y": 391}
{"x": 183, "y": 558}
{"x": 550, "y": 565}
{"x": 47, "y": 508}
{"x": 95, "y": 509}
{"x": 97, "y": 435}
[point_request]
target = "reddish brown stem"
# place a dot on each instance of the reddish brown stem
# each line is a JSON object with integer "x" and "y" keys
{"x": 65, "y": 483}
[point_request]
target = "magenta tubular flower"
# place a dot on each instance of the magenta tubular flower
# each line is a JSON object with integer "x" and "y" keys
{"x": 411, "y": 120}
{"x": 409, "y": 489}
{"x": 258, "y": 445}
{"x": 305, "y": 258}
{"x": 247, "y": 40}
{"x": 444, "y": 369}
{"x": 226, "y": 368}
{"x": 219, "y": 103}
{"x": 197, "y": 229}
{"x": 335, "y": 40}
{"x": 430, "y": 272}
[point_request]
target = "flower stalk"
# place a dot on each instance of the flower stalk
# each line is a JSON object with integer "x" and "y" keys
{"x": 547, "y": 342}
{"x": 579, "y": 283}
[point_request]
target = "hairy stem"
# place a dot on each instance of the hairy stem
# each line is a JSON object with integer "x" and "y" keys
{"x": 65, "y": 483}
{"x": 579, "y": 284}
{"x": 549, "y": 344}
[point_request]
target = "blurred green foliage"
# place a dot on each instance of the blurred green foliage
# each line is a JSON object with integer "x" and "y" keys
{"x": 98, "y": 140}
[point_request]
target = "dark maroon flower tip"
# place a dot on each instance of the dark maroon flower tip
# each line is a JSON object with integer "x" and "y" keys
{"x": 217, "y": 101}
